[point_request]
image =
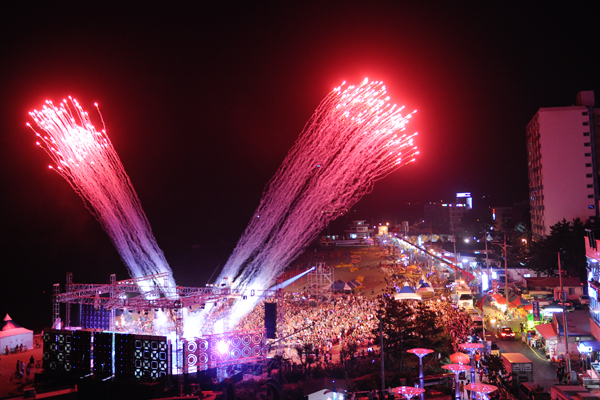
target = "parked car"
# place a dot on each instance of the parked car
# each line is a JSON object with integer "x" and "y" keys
{"x": 568, "y": 305}
{"x": 507, "y": 333}
{"x": 584, "y": 300}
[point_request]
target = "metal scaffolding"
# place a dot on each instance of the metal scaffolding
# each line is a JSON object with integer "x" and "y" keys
{"x": 320, "y": 280}
{"x": 128, "y": 294}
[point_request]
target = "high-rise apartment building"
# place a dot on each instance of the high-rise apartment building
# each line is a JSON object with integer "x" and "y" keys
{"x": 562, "y": 152}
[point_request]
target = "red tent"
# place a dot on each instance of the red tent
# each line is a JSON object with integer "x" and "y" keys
{"x": 498, "y": 298}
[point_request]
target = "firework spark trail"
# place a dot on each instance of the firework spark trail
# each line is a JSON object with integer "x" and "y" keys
{"x": 354, "y": 138}
{"x": 88, "y": 161}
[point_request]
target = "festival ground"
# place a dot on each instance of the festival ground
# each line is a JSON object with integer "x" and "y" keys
{"x": 9, "y": 384}
{"x": 351, "y": 263}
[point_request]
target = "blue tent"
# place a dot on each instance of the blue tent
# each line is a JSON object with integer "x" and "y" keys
{"x": 340, "y": 285}
{"x": 407, "y": 293}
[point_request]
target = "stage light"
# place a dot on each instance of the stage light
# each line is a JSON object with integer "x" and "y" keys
{"x": 222, "y": 347}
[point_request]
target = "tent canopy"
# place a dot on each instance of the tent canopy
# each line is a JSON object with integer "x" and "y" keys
{"x": 425, "y": 287}
{"x": 340, "y": 285}
{"x": 407, "y": 293}
{"x": 13, "y": 335}
{"x": 547, "y": 331}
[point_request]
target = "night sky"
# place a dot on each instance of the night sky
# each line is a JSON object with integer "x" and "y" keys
{"x": 203, "y": 103}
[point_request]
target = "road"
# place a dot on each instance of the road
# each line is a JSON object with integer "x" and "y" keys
{"x": 544, "y": 372}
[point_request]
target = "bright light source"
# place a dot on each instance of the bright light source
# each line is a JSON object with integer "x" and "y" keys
{"x": 223, "y": 347}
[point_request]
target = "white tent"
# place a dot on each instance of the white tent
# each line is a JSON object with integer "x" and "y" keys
{"x": 425, "y": 287}
{"x": 407, "y": 293}
{"x": 12, "y": 335}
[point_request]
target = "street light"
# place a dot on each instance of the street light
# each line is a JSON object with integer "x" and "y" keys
{"x": 421, "y": 353}
{"x": 472, "y": 347}
{"x": 482, "y": 389}
{"x": 408, "y": 391}
{"x": 457, "y": 369}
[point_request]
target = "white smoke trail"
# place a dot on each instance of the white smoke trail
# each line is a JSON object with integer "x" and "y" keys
{"x": 353, "y": 139}
{"x": 88, "y": 161}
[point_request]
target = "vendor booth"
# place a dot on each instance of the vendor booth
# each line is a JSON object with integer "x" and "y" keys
{"x": 407, "y": 293}
{"x": 590, "y": 352}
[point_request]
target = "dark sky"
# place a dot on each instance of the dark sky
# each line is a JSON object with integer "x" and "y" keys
{"x": 203, "y": 103}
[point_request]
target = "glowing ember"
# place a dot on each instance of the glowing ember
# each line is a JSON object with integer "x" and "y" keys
{"x": 354, "y": 138}
{"x": 88, "y": 161}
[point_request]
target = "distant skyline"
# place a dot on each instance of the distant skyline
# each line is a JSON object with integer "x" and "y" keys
{"x": 202, "y": 104}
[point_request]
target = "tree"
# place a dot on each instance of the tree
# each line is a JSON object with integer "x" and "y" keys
{"x": 398, "y": 325}
{"x": 496, "y": 372}
{"x": 568, "y": 239}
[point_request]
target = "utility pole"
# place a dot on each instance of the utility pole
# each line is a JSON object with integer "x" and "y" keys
{"x": 381, "y": 351}
{"x": 505, "y": 274}
{"x": 455, "y": 256}
{"x": 487, "y": 263}
{"x": 563, "y": 299}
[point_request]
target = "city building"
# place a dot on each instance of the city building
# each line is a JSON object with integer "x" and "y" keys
{"x": 358, "y": 230}
{"x": 506, "y": 218}
{"x": 563, "y": 164}
{"x": 571, "y": 285}
{"x": 443, "y": 217}
{"x": 592, "y": 255}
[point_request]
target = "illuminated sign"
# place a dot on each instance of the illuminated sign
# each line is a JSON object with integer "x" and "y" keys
{"x": 463, "y": 194}
{"x": 592, "y": 292}
{"x": 536, "y": 310}
{"x": 584, "y": 349}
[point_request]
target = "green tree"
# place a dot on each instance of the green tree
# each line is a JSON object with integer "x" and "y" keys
{"x": 566, "y": 239}
{"x": 398, "y": 326}
{"x": 496, "y": 372}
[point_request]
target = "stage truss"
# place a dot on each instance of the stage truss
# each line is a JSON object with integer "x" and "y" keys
{"x": 128, "y": 295}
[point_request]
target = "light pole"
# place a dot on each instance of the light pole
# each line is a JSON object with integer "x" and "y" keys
{"x": 472, "y": 347}
{"x": 482, "y": 389}
{"x": 421, "y": 353}
{"x": 457, "y": 369}
{"x": 563, "y": 298}
{"x": 408, "y": 391}
{"x": 505, "y": 275}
